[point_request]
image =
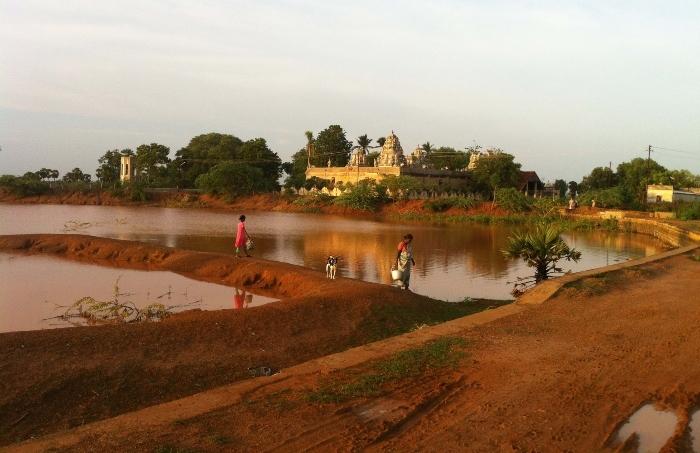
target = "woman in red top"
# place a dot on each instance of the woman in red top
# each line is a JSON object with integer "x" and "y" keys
{"x": 404, "y": 259}
{"x": 241, "y": 237}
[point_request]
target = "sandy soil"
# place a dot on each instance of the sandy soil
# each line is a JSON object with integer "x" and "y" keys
{"x": 57, "y": 379}
{"x": 562, "y": 376}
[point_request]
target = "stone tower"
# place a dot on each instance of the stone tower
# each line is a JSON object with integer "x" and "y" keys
{"x": 392, "y": 153}
{"x": 126, "y": 169}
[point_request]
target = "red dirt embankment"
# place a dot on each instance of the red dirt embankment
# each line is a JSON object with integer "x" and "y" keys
{"x": 562, "y": 376}
{"x": 262, "y": 202}
{"x": 56, "y": 379}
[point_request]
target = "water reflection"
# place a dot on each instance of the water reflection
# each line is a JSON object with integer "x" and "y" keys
{"x": 242, "y": 299}
{"x": 452, "y": 261}
{"x": 34, "y": 288}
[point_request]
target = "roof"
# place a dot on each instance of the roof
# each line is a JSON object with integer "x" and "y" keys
{"x": 527, "y": 177}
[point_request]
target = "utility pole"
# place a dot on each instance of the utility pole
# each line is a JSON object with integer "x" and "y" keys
{"x": 646, "y": 189}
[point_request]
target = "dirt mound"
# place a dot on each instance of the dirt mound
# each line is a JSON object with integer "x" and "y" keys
{"x": 56, "y": 379}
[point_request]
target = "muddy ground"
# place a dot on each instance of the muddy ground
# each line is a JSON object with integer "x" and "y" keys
{"x": 562, "y": 376}
{"x": 57, "y": 379}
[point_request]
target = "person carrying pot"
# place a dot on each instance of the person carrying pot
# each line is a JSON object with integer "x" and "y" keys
{"x": 404, "y": 260}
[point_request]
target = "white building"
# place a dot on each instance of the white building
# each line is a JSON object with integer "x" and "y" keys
{"x": 659, "y": 193}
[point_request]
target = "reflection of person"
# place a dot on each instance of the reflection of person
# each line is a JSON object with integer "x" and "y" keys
{"x": 239, "y": 299}
{"x": 404, "y": 259}
{"x": 241, "y": 237}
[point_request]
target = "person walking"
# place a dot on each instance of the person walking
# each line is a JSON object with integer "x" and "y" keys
{"x": 242, "y": 237}
{"x": 404, "y": 259}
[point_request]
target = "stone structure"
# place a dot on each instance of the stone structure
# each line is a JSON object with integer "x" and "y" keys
{"x": 391, "y": 162}
{"x": 416, "y": 158}
{"x": 126, "y": 169}
{"x": 657, "y": 193}
{"x": 392, "y": 153}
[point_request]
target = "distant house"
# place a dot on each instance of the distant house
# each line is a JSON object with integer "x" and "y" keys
{"x": 530, "y": 184}
{"x": 657, "y": 193}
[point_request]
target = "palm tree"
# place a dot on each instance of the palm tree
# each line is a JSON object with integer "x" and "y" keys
{"x": 428, "y": 148}
{"x": 363, "y": 142}
{"x": 309, "y": 147}
{"x": 540, "y": 248}
{"x": 380, "y": 142}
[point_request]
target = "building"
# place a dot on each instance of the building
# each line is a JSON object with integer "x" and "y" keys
{"x": 126, "y": 169}
{"x": 657, "y": 193}
{"x": 390, "y": 162}
{"x": 531, "y": 185}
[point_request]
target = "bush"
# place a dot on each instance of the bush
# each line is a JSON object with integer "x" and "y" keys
{"x": 24, "y": 186}
{"x": 546, "y": 207}
{"x": 365, "y": 196}
{"x": 688, "y": 211}
{"x": 313, "y": 200}
{"x": 443, "y": 204}
{"x": 512, "y": 200}
{"x": 604, "y": 198}
{"x": 231, "y": 179}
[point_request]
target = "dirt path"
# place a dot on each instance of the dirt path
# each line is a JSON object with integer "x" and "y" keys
{"x": 557, "y": 377}
{"x": 57, "y": 379}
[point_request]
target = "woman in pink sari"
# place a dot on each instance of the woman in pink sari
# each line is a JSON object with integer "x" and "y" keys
{"x": 241, "y": 237}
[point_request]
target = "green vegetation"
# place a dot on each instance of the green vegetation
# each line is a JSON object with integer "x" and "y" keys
{"x": 365, "y": 196}
{"x": 443, "y": 204}
{"x": 441, "y": 353}
{"x": 541, "y": 248}
{"x": 688, "y": 211}
{"x": 231, "y": 179}
{"x": 496, "y": 170}
{"x": 331, "y": 145}
{"x": 604, "y": 198}
{"x": 512, "y": 200}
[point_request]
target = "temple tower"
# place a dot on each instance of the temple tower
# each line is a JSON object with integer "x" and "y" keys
{"x": 126, "y": 169}
{"x": 392, "y": 153}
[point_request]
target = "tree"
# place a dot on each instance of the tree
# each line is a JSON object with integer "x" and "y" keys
{"x": 380, "y": 142}
{"x": 296, "y": 169}
{"x": 363, "y": 142}
{"x": 560, "y": 185}
{"x": 600, "y": 178}
{"x": 448, "y": 158}
{"x": 496, "y": 170}
{"x": 542, "y": 249}
{"x": 46, "y": 173}
{"x": 231, "y": 179}
{"x": 427, "y": 147}
{"x": 151, "y": 161}
{"x": 203, "y": 153}
{"x": 573, "y": 189}
{"x": 256, "y": 153}
{"x": 634, "y": 177}
{"x": 110, "y": 163}
{"x": 76, "y": 175}
{"x": 331, "y": 144}
{"x": 309, "y": 146}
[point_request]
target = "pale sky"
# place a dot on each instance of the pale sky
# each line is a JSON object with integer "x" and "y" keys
{"x": 562, "y": 85}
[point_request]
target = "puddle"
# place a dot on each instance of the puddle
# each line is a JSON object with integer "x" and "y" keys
{"x": 694, "y": 426}
{"x": 654, "y": 428}
{"x": 32, "y": 288}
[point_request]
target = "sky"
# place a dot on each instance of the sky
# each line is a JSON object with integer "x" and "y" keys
{"x": 565, "y": 86}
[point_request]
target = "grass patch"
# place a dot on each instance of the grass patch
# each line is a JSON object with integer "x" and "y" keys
{"x": 441, "y": 353}
{"x": 388, "y": 320}
{"x": 601, "y": 284}
{"x": 173, "y": 449}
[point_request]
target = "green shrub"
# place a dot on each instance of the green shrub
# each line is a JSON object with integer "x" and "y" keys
{"x": 313, "y": 200}
{"x": 365, "y": 196}
{"x": 604, "y": 198}
{"x": 438, "y": 204}
{"x": 688, "y": 211}
{"x": 24, "y": 186}
{"x": 232, "y": 179}
{"x": 512, "y": 200}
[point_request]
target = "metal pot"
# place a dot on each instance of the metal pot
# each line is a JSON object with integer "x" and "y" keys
{"x": 396, "y": 274}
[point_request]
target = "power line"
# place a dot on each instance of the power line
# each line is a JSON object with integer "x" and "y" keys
{"x": 676, "y": 150}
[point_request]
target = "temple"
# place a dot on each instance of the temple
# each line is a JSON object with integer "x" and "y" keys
{"x": 390, "y": 162}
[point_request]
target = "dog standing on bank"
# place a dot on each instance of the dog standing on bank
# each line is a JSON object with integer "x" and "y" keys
{"x": 332, "y": 266}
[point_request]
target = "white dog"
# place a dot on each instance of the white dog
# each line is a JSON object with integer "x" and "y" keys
{"x": 331, "y": 266}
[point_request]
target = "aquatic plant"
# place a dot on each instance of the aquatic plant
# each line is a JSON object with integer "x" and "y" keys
{"x": 541, "y": 248}
{"x": 116, "y": 310}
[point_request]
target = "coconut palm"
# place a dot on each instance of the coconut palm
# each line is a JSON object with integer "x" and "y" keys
{"x": 428, "y": 148}
{"x": 309, "y": 146}
{"x": 541, "y": 248}
{"x": 363, "y": 142}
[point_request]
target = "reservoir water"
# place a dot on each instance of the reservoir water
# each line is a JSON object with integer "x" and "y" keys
{"x": 452, "y": 261}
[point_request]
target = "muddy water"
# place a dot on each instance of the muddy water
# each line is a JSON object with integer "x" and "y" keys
{"x": 34, "y": 288}
{"x": 653, "y": 426}
{"x": 453, "y": 261}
